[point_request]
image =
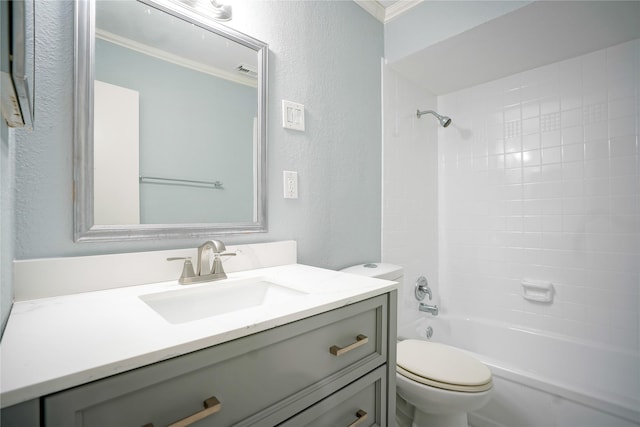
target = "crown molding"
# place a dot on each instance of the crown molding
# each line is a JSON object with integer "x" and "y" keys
{"x": 399, "y": 8}
{"x": 174, "y": 59}
{"x": 386, "y": 14}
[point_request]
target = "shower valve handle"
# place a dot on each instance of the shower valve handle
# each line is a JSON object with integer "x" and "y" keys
{"x": 422, "y": 288}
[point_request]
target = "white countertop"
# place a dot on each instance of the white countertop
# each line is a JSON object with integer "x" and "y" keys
{"x": 51, "y": 344}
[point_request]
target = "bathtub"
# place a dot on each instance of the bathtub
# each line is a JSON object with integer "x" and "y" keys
{"x": 542, "y": 380}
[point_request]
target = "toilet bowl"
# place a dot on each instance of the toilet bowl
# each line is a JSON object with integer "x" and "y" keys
{"x": 441, "y": 382}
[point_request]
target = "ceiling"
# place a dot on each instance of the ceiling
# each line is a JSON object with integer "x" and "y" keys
{"x": 541, "y": 33}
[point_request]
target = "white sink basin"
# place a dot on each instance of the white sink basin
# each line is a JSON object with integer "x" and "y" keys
{"x": 216, "y": 298}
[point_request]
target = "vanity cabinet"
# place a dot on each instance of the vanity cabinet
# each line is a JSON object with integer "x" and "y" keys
{"x": 334, "y": 368}
{"x": 358, "y": 404}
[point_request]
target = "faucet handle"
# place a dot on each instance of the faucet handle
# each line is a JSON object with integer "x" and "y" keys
{"x": 422, "y": 288}
{"x": 187, "y": 269}
{"x": 217, "y": 268}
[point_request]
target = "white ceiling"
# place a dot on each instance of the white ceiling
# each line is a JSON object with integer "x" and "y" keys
{"x": 538, "y": 34}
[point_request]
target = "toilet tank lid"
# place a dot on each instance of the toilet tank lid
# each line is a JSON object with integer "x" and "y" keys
{"x": 376, "y": 269}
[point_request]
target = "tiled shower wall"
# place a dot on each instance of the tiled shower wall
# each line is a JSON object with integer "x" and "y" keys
{"x": 539, "y": 179}
{"x": 410, "y": 187}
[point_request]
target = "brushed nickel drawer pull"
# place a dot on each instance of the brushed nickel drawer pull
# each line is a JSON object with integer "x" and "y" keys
{"x": 360, "y": 340}
{"x": 211, "y": 406}
{"x": 362, "y": 416}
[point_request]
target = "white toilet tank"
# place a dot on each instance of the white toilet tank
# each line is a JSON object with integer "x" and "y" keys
{"x": 377, "y": 270}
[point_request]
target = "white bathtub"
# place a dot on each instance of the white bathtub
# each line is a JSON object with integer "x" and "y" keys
{"x": 542, "y": 380}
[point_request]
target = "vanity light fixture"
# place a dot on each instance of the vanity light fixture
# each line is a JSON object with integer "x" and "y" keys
{"x": 221, "y": 12}
{"x": 215, "y": 9}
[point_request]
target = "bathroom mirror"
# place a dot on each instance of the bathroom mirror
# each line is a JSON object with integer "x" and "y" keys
{"x": 170, "y": 123}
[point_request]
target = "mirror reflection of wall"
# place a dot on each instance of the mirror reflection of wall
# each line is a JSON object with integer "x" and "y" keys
{"x": 196, "y": 125}
{"x": 116, "y": 152}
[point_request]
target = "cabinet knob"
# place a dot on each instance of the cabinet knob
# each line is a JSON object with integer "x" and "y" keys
{"x": 362, "y": 416}
{"x": 338, "y": 351}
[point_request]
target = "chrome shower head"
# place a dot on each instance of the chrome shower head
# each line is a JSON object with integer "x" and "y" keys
{"x": 444, "y": 120}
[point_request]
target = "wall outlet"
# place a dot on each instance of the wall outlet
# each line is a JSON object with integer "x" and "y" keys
{"x": 290, "y": 180}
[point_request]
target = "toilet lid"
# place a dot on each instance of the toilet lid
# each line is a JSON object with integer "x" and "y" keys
{"x": 442, "y": 366}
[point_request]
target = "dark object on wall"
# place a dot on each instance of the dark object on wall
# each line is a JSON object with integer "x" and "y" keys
{"x": 17, "y": 62}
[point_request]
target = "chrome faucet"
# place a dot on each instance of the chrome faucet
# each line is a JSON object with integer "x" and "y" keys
{"x": 206, "y": 271}
{"x": 422, "y": 288}
{"x": 428, "y": 308}
{"x": 204, "y": 263}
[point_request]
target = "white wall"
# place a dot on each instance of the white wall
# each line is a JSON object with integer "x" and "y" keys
{"x": 540, "y": 178}
{"x": 409, "y": 235}
{"x": 116, "y": 154}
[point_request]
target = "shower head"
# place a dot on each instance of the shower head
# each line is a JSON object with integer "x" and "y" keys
{"x": 444, "y": 120}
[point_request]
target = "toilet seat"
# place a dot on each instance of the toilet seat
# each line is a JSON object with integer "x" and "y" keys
{"x": 442, "y": 366}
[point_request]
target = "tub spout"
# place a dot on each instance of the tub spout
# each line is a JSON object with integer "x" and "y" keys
{"x": 428, "y": 308}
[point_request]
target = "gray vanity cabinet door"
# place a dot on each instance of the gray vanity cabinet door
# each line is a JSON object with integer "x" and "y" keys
{"x": 260, "y": 380}
{"x": 359, "y": 404}
{"x": 26, "y": 414}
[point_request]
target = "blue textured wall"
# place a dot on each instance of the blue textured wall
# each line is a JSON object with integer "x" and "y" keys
{"x": 324, "y": 54}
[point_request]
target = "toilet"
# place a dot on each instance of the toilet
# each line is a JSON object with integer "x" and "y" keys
{"x": 440, "y": 382}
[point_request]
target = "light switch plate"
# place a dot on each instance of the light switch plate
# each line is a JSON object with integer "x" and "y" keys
{"x": 292, "y": 115}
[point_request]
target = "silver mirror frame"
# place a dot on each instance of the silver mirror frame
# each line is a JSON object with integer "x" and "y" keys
{"x": 84, "y": 228}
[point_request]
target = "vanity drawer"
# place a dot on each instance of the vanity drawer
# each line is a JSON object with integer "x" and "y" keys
{"x": 261, "y": 379}
{"x": 359, "y": 404}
